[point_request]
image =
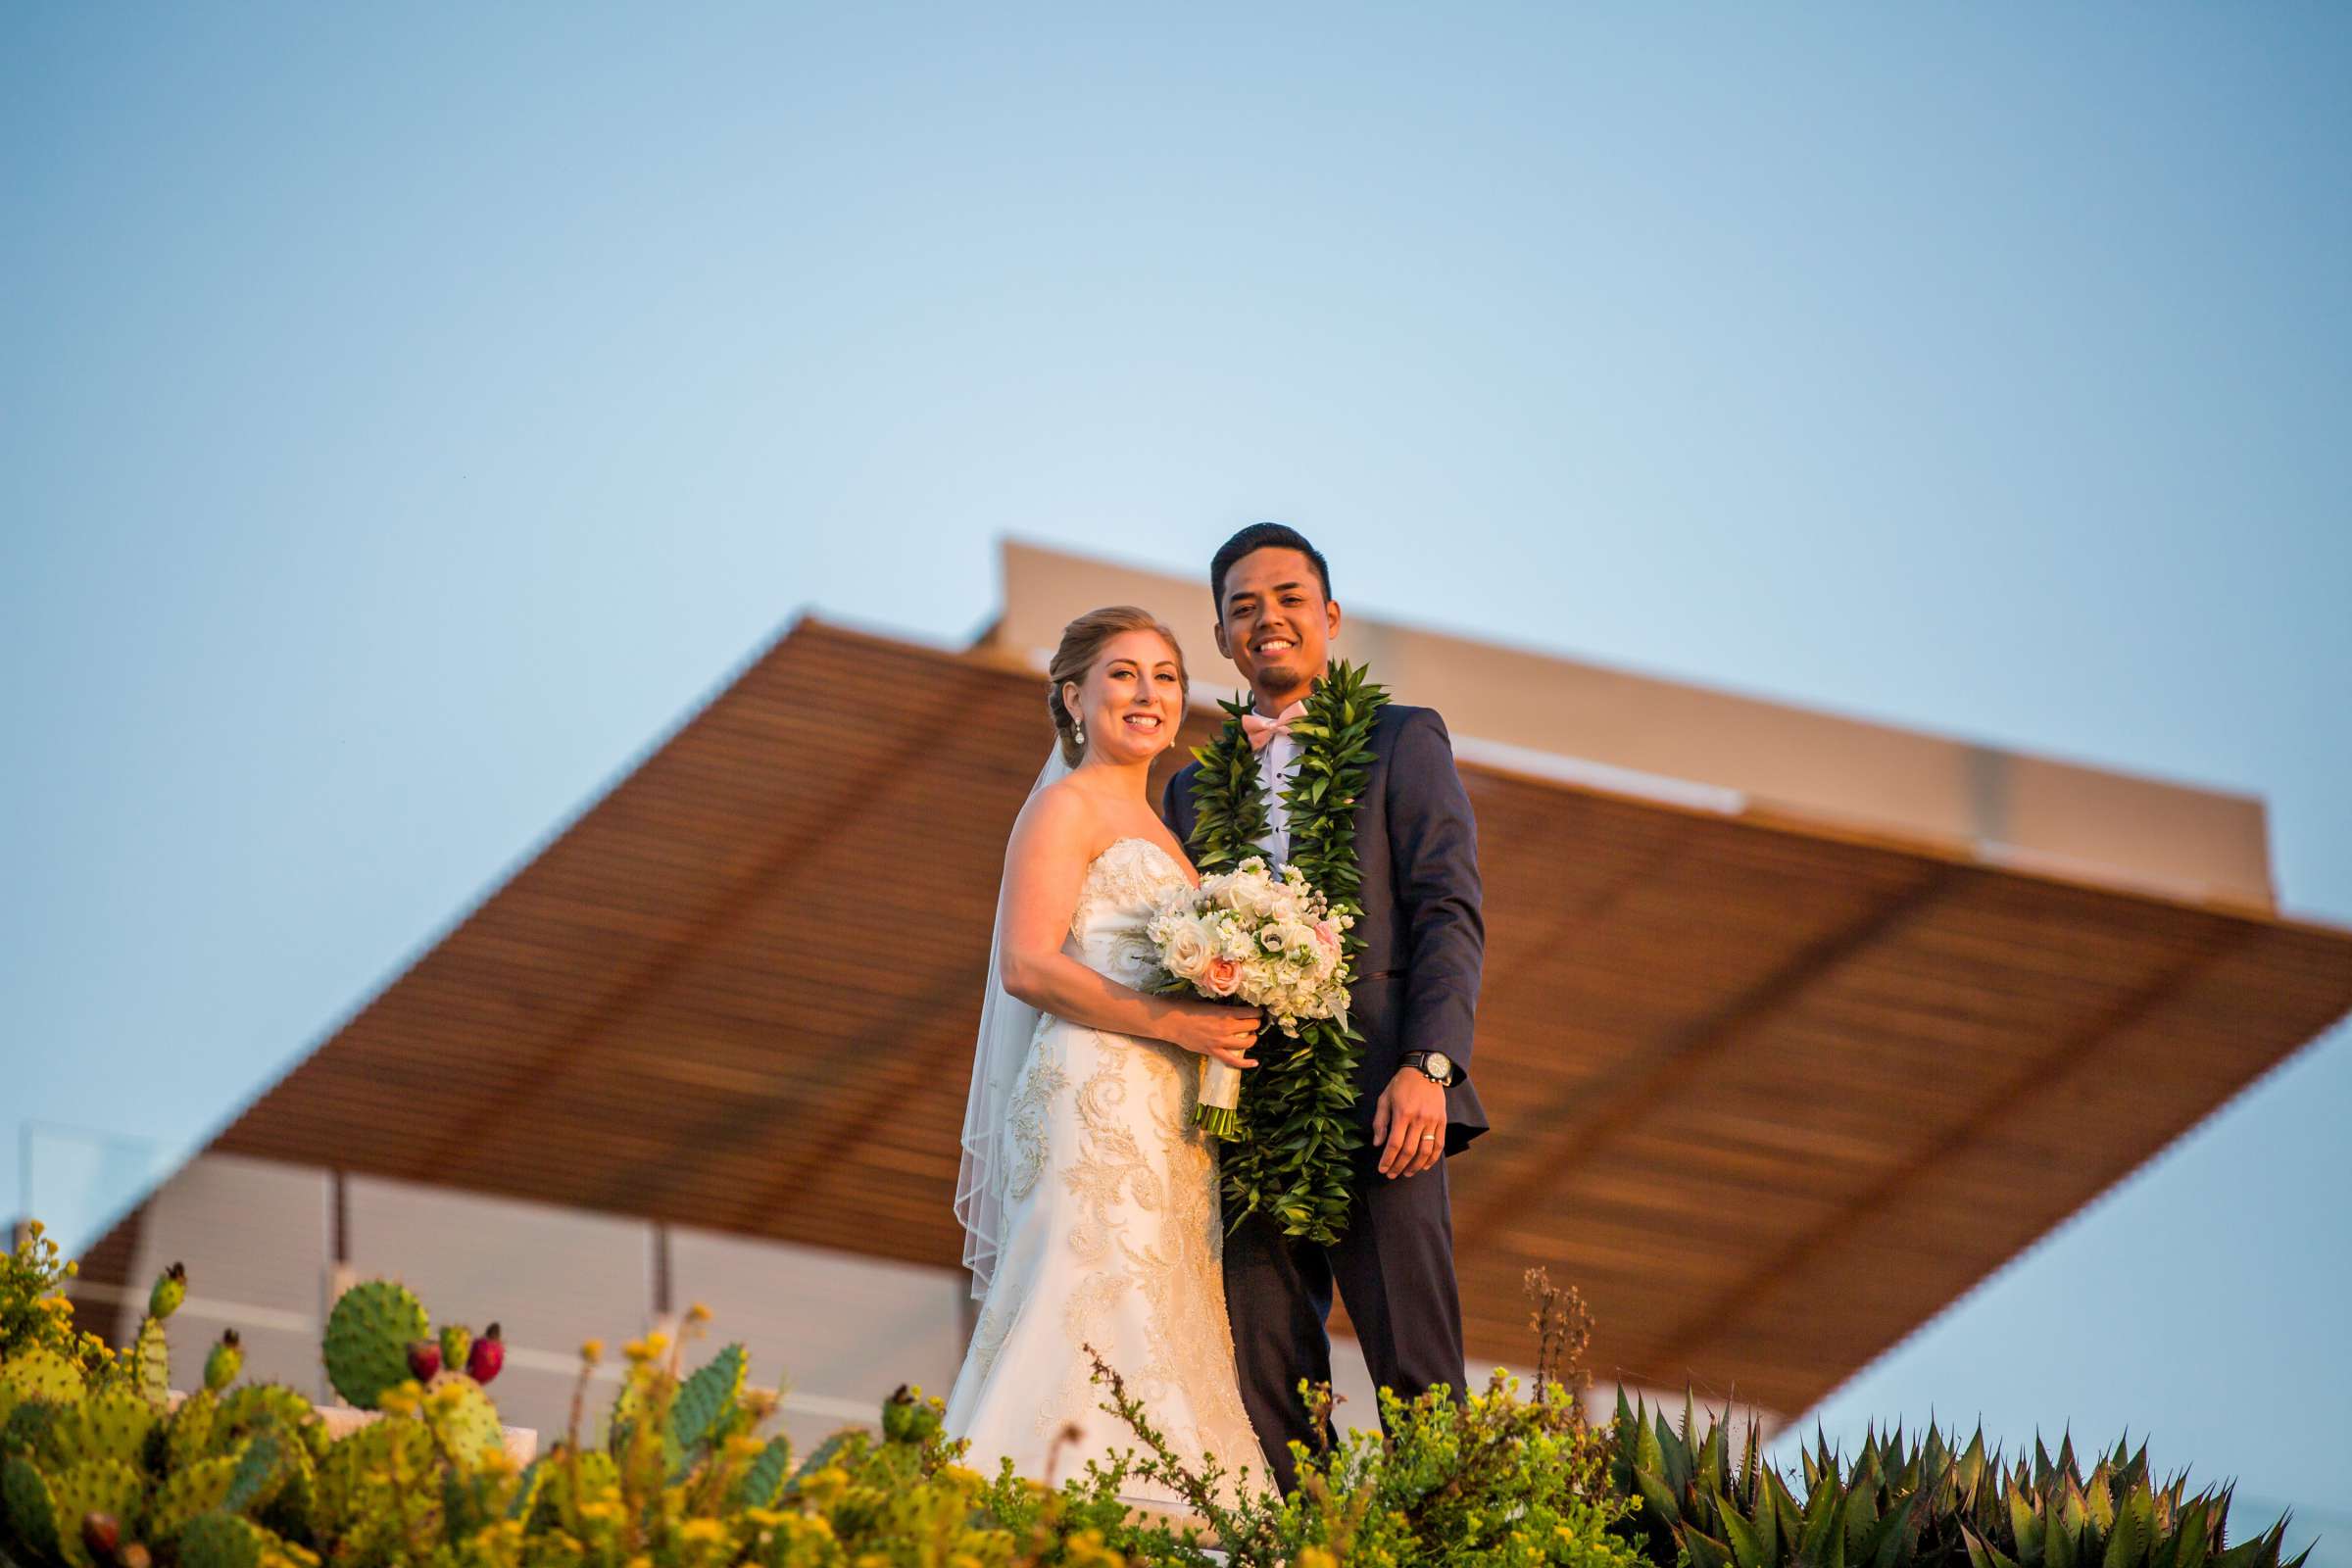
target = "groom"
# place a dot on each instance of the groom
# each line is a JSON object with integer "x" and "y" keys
{"x": 1413, "y": 999}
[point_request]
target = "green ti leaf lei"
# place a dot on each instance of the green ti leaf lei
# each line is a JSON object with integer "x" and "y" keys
{"x": 1294, "y": 1157}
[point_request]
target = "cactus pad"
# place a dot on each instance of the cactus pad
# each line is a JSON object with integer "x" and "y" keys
{"x": 29, "y": 1506}
{"x": 392, "y": 1454}
{"x": 254, "y": 1407}
{"x": 220, "y": 1540}
{"x": 184, "y": 1493}
{"x": 368, "y": 1336}
{"x": 95, "y": 1485}
{"x": 188, "y": 1431}
{"x": 113, "y": 1425}
{"x": 151, "y": 1363}
{"x": 39, "y": 1373}
{"x": 463, "y": 1419}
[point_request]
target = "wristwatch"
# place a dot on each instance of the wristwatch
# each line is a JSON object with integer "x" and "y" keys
{"x": 1435, "y": 1065}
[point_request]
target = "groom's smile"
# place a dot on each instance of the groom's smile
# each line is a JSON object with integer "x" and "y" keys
{"x": 1275, "y": 620}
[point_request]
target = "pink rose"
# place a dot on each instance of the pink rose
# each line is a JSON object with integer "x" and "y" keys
{"x": 1222, "y": 977}
{"x": 1327, "y": 934}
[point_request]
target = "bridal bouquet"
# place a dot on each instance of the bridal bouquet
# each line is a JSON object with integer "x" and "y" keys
{"x": 1259, "y": 937}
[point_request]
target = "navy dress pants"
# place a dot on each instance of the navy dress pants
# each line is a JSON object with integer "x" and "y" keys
{"x": 1393, "y": 1268}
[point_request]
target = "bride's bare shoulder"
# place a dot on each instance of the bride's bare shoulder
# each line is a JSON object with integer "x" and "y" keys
{"x": 1059, "y": 815}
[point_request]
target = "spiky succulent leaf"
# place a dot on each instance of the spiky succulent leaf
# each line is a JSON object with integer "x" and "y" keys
{"x": 527, "y": 1488}
{"x": 762, "y": 1481}
{"x": 368, "y": 1337}
{"x": 706, "y": 1400}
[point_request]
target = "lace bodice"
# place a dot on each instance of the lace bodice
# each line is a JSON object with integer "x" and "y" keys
{"x": 1124, "y": 888}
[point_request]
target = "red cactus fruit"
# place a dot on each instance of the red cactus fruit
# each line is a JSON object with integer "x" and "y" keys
{"x": 101, "y": 1534}
{"x": 425, "y": 1359}
{"x": 488, "y": 1355}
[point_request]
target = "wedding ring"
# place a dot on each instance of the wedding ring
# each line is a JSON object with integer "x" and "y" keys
{"x": 1429, "y": 1138}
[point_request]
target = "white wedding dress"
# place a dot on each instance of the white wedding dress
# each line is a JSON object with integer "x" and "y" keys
{"x": 1110, "y": 1236}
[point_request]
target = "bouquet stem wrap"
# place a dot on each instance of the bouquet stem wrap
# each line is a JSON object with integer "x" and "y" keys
{"x": 1219, "y": 1114}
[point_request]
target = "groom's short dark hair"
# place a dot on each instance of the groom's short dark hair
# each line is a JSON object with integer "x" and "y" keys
{"x": 1262, "y": 536}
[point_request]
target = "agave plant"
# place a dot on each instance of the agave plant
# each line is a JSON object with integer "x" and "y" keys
{"x": 1920, "y": 1503}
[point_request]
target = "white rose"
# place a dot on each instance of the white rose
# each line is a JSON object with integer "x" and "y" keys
{"x": 1184, "y": 949}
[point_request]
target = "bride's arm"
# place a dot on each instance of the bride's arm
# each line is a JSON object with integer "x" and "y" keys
{"x": 1045, "y": 866}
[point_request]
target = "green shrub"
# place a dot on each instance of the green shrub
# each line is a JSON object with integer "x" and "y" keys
{"x": 100, "y": 1468}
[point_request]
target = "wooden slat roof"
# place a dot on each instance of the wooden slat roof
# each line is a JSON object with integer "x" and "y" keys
{"x": 1769, "y": 1093}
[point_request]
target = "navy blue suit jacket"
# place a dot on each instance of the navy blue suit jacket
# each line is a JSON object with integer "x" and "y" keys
{"x": 1424, "y": 937}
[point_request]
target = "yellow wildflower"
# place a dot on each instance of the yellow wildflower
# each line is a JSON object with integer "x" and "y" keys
{"x": 592, "y": 1350}
{"x": 703, "y": 1532}
{"x": 698, "y": 1313}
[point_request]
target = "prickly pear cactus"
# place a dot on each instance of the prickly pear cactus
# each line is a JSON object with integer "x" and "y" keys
{"x": 385, "y": 1461}
{"x": 463, "y": 1419}
{"x": 184, "y": 1493}
{"x": 151, "y": 1363}
{"x": 94, "y": 1485}
{"x": 41, "y": 1374}
{"x": 223, "y": 1363}
{"x": 188, "y": 1431}
{"x": 457, "y": 1341}
{"x": 29, "y": 1507}
{"x": 222, "y": 1540}
{"x": 170, "y": 1288}
{"x": 113, "y": 1424}
{"x": 255, "y": 1406}
{"x": 368, "y": 1336}
{"x": 27, "y": 1424}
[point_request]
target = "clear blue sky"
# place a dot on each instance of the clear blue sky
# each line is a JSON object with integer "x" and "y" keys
{"x": 405, "y": 413}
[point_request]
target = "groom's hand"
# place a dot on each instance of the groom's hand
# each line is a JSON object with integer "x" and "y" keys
{"x": 1409, "y": 1124}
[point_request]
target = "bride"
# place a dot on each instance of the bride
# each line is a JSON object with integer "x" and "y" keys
{"x": 1088, "y": 1198}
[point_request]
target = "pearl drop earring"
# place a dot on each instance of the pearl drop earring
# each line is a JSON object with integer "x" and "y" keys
{"x": 1078, "y": 730}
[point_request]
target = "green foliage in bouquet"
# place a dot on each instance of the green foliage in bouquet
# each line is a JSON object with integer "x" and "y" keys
{"x": 1921, "y": 1503}
{"x": 1294, "y": 1156}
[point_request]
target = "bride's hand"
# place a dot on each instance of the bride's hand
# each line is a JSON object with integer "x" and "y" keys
{"x": 1212, "y": 1029}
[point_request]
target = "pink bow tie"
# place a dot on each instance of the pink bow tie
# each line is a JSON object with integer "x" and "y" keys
{"x": 1262, "y": 731}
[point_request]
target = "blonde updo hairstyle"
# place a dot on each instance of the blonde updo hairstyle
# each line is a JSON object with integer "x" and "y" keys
{"x": 1082, "y": 643}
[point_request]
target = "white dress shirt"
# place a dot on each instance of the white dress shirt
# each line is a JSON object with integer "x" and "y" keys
{"x": 1274, "y": 767}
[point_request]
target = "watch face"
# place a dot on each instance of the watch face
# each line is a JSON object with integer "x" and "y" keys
{"x": 1440, "y": 1065}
